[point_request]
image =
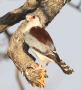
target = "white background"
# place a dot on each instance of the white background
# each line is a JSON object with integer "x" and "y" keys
{"x": 66, "y": 33}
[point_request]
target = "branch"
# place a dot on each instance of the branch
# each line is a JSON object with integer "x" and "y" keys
{"x": 77, "y": 7}
{"x": 18, "y": 80}
{"x": 8, "y": 35}
{"x": 17, "y": 15}
{"x": 24, "y": 62}
{"x": 46, "y": 10}
{"x": 3, "y": 55}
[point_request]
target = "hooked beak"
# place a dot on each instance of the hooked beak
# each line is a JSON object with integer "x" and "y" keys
{"x": 29, "y": 18}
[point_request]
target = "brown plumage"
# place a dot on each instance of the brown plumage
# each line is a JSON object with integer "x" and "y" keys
{"x": 41, "y": 35}
{"x": 40, "y": 42}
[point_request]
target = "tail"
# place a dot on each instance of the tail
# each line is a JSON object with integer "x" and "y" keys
{"x": 64, "y": 67}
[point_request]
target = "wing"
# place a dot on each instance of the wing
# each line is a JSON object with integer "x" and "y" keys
{"x": 41, "y": 42}
{"x": 42, "y": 35}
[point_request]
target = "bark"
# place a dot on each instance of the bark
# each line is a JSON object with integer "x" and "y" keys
{"x": 22, "y": 60}
{"x": 17, "y": 15}
{"x": 46, "y": 10}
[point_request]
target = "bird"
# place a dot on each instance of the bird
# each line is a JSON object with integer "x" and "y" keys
{"x": 41, "y": 44}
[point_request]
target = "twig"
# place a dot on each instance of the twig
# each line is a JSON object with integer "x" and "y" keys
{"x": 8, "y": 35}
{"x": 18, "y": 80}
{"x": 75, "y": 6}
{"x": 3, "y": 55}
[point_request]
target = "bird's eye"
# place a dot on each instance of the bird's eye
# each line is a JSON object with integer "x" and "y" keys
{"x": 33, "y": 17}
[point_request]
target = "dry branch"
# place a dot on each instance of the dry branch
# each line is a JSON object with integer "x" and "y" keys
{"x": 22, "y": 61}
{"x": 46, "y": 10}
{"x": 77, "y": 7}
{"x": 17, "y": 15}
{"x": 18, "y": 80}
{"x": 49, "y": 8}
{"x": 4, "y": 56}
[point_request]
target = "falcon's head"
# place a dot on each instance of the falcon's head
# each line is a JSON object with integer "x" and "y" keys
{"x": 30, "y": 18}
{"x": 33, "y": 20}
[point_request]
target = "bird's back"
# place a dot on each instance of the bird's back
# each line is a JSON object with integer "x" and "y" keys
{"x": 39, "y": 39}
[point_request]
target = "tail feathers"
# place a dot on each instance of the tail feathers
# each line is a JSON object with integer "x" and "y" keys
{"x": 64, "y": 67}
